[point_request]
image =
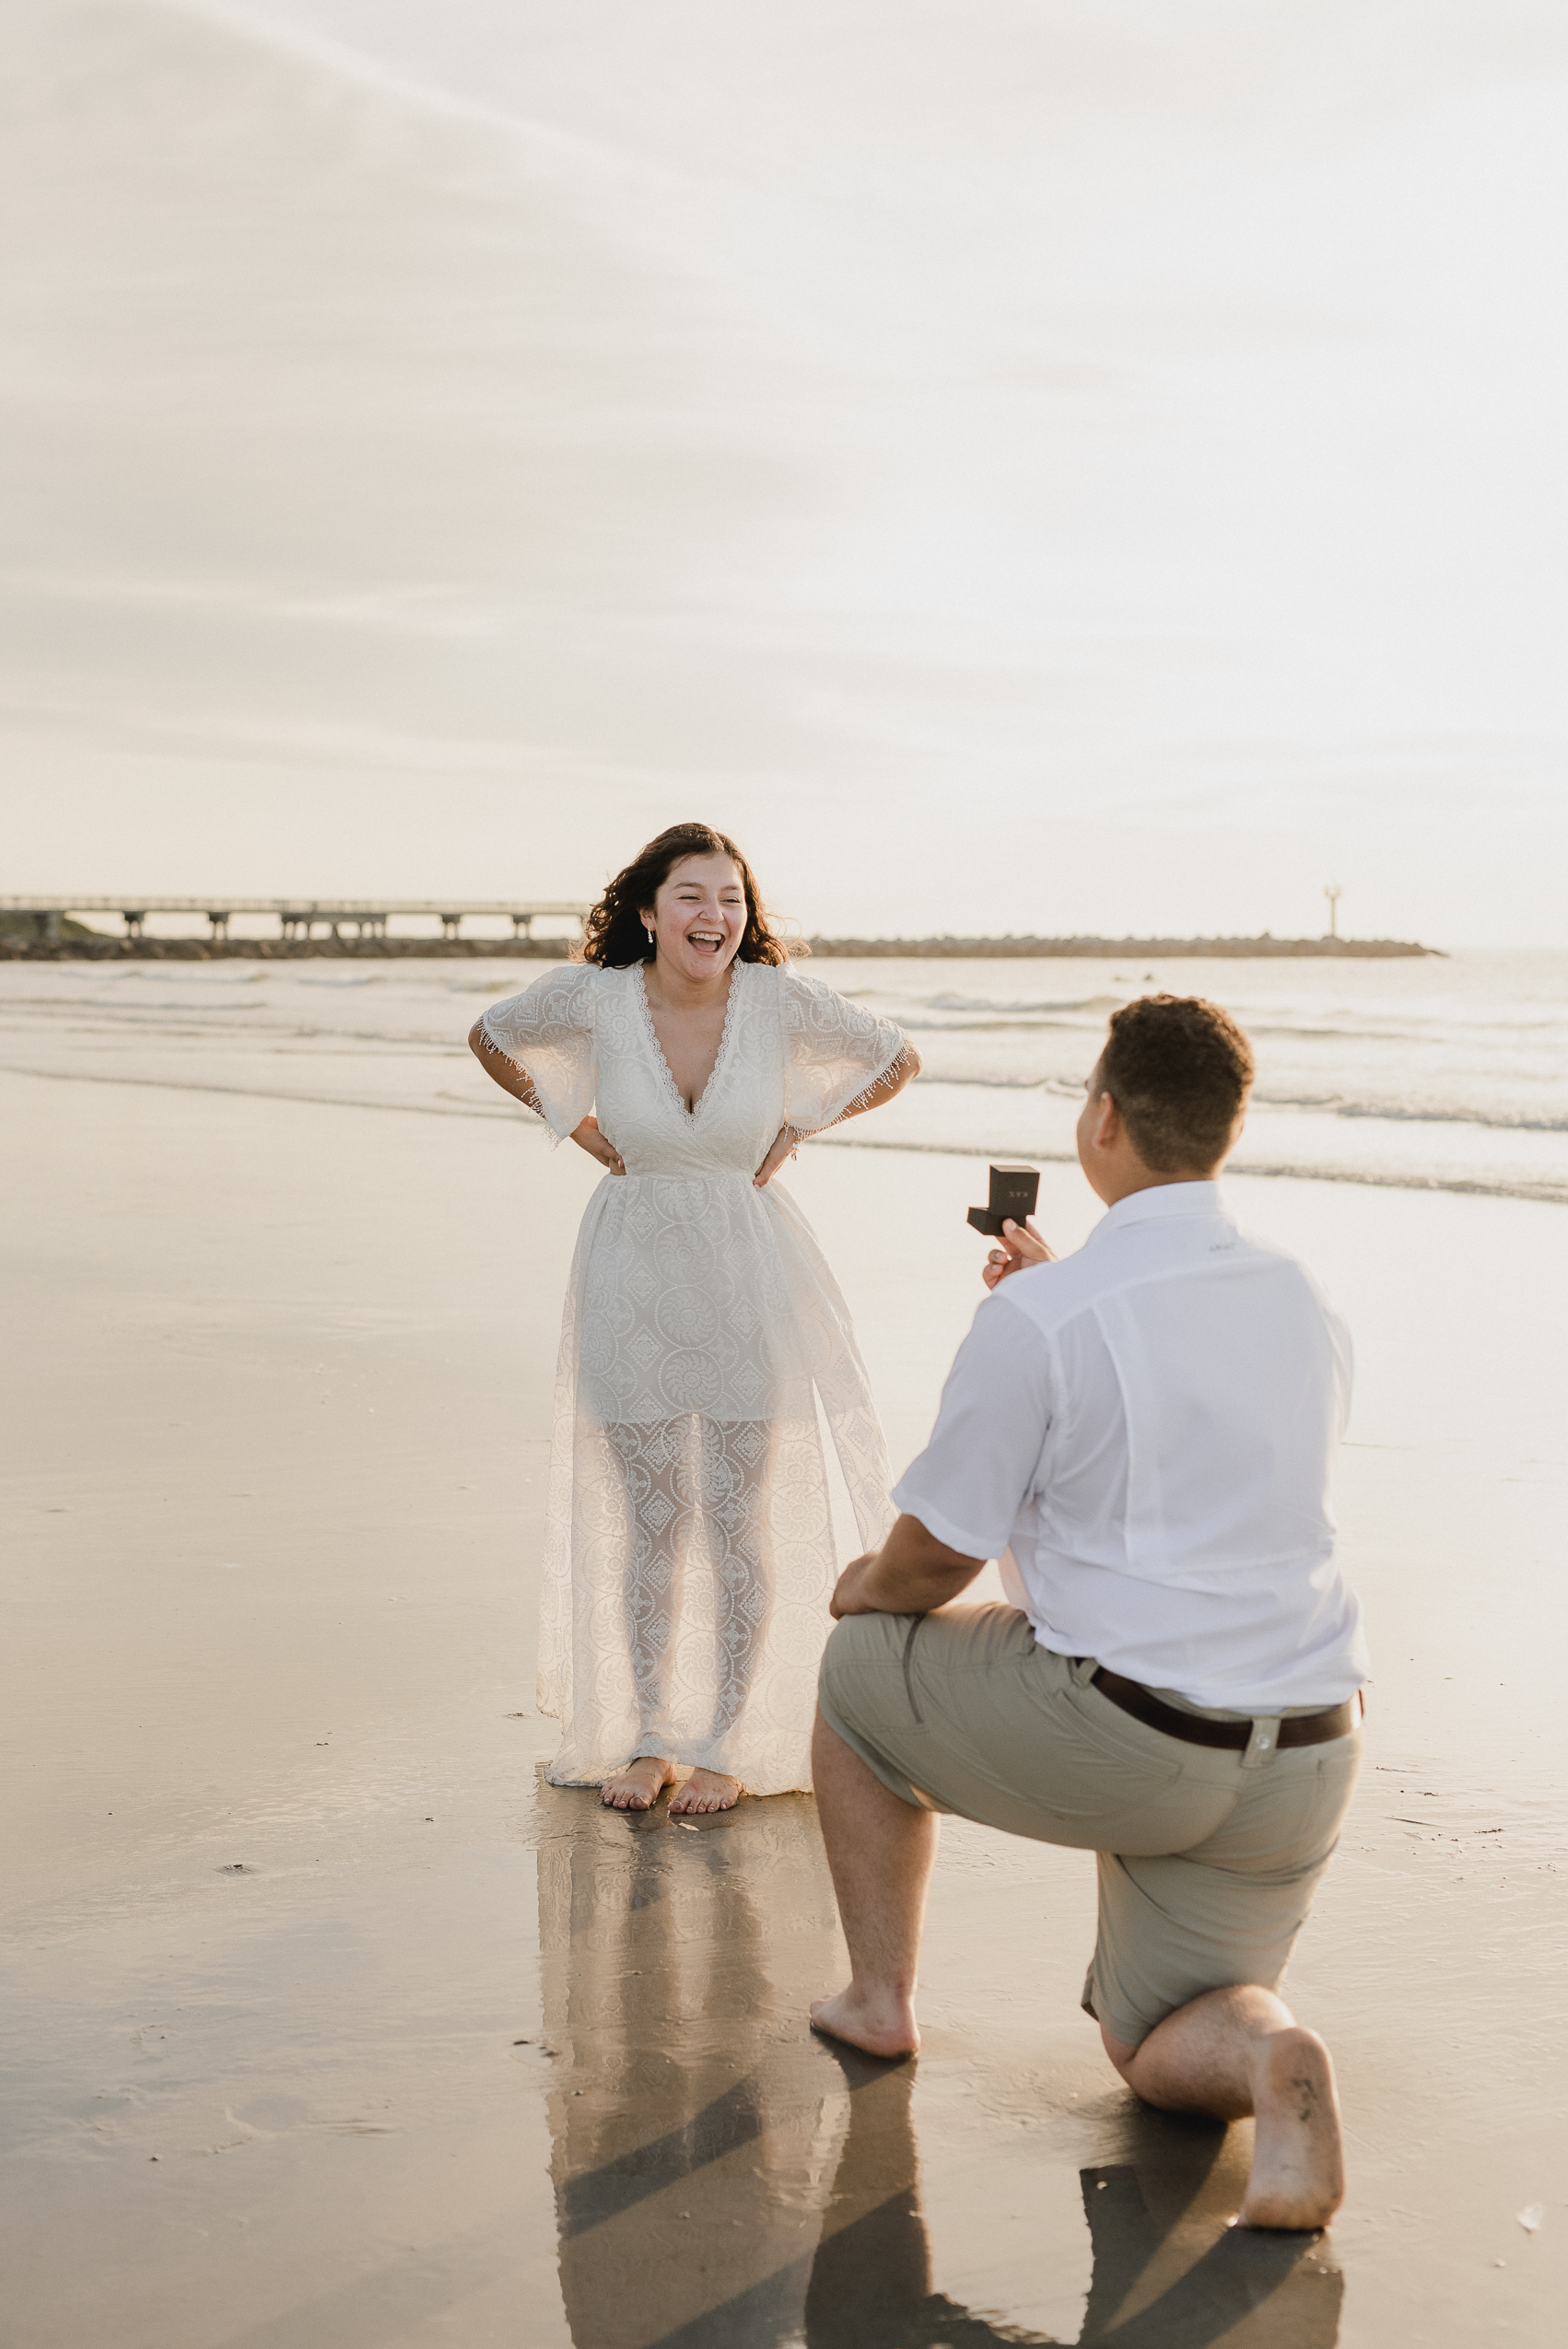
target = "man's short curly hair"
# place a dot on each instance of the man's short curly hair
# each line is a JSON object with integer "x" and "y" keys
{"x": 1180, "y": 1071}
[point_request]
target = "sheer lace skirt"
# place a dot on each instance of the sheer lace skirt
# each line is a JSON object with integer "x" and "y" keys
{"x": 690, "y": 1551}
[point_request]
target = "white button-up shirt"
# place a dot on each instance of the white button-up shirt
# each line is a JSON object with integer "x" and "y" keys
{"x": 1143, "y": 1435}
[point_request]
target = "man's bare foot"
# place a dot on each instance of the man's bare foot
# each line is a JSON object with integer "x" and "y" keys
{"x": 639, "y": 1785}
{"x": 880, "y": 2024}
{"x": 1298, "y": 2164}
{"x": 706, "y": 1790}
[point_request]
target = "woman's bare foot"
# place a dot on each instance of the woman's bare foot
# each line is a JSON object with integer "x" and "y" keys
{"x": 1298, "y": 2164}
{"x": 878, "y": 2023}
{"x": 639, "y": 1785}
{"x": 706, "y": 1790}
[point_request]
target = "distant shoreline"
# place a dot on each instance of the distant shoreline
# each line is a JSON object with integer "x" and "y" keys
{"x": 1118, "y": 949}
{"x": 556, "y": 950}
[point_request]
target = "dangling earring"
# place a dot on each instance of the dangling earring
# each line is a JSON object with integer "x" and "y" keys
{"x": 649, "y": 933}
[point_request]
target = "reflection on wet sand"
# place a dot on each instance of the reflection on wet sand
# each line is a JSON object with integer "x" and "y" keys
{"x": 694, "y": 2123}
{"x": 724, "y": 2180}
{"x": 871, "y": 2288}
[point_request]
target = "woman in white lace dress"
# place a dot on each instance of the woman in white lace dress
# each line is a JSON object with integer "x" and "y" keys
{"x": 690, "y": 1554}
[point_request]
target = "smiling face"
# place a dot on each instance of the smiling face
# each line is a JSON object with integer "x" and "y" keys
{"x": 699, "y": 916}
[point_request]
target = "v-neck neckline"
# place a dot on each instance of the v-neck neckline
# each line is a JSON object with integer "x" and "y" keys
{"x": 689, "y": 1116}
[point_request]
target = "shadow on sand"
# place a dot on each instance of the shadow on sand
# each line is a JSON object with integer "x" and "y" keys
{"x": 724, "y": 2180}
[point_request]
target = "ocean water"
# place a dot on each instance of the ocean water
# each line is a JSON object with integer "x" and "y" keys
{"x": 1446, "y": 1073}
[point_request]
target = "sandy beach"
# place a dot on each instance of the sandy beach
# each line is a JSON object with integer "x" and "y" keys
{"x": 325, "y": 2020}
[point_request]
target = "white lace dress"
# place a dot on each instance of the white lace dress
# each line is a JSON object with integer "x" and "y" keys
{"x": 689, "y": 1554}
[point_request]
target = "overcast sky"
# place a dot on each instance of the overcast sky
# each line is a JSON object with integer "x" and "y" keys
{"x": 1092, "y": 466}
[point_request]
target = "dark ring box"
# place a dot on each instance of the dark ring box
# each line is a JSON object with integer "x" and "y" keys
{"x": 1015, "y": 1190}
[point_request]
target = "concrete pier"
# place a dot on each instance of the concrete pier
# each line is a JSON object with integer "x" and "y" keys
{"x": 297, "y": 919}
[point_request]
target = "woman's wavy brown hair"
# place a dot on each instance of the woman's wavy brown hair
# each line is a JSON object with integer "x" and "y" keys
{"x": 614, "y": 934}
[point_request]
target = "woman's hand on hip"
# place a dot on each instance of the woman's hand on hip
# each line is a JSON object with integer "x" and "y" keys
{"x": 587, "y": 1136}
{"x": 781, "y": 1147}
{"x": 1020, "y": 1245}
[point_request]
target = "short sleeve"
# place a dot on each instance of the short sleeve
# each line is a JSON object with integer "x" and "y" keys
{"x": 834, "y": 1050}
{"x": 970, "y": 1484}
{"x": 547, "y": 1032}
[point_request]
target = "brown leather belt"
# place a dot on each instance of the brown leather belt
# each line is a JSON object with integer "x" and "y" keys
{"x": 1304, "y": 1729}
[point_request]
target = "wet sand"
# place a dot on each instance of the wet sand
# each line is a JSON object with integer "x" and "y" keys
{"x": 326, "y": 2021}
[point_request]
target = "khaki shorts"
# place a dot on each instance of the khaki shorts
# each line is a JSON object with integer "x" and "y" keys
{"x": 1207, "y": 1858}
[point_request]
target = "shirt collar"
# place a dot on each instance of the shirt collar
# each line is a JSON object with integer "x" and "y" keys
{"x": 1162, "y": 1202}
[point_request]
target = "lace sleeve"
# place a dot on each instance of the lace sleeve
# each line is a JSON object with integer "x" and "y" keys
{"x": 834, "y": 1051}
{"x": 547, "y": 1032}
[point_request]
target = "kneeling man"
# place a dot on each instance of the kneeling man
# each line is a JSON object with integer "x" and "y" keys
{"x": 1142, "y": 1435}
